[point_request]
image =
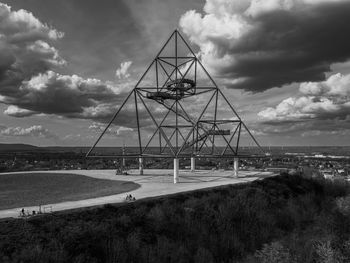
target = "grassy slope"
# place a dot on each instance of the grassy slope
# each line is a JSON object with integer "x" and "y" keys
{"x": 18, "y": 190}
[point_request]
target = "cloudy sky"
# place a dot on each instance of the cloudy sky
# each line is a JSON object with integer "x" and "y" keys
{"x": 66, "y": 66}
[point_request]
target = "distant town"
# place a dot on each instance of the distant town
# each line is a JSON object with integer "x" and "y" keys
{"x": 327, "y": 162}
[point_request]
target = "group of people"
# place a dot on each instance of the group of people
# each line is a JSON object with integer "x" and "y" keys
{"x": 129, "y": 197}
{"x": 24, "y": 213}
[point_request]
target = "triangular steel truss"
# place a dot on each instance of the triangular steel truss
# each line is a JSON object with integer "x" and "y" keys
{"x": 174, "y": 84}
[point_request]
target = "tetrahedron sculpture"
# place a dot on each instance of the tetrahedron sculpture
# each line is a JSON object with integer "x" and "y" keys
{"x": 176, "y": 110}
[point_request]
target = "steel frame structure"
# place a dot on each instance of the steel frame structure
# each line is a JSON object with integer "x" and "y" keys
{"x": 198, "y": 139}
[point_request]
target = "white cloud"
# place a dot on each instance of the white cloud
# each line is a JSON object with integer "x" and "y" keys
{"x": 22, "y": 26}
{"x": 113, "y": 130}
{"x": 63, "y": 95}
{"x": 33, "y": 131}
{"x": 124, "y": 130}
{"x": 335, "y": 85}
{"x": 317, "y": 100}
{"x": 17, "y": 112}
{"x": 48, "y": 53}
{"x": 25, "y": 49}
{"x": 312, "y": 133}
{"x": 122, "y": 71}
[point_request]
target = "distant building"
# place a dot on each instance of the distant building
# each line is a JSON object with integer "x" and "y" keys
{"x": 327, "y": 173}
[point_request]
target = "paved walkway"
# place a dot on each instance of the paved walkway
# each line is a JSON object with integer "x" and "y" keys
{"x": 153, "y": 183}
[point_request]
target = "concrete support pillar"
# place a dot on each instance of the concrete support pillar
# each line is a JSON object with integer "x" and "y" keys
{"x": 124, "y": 162}
{"x": 193, "y": 164}
{"x": 235, "y": 167}
{"x": 141, "y": 165}
{"x": 176, "y": 170}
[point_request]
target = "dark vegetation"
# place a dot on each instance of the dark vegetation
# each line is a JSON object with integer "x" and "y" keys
{"x": 280, "y": 219}
{"x": 33, "y": 189}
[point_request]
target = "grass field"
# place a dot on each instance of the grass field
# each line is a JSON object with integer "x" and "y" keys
{"x": 20, "y": 190}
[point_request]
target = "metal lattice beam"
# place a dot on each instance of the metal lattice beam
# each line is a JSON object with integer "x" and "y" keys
{"x": 172, "y": 82}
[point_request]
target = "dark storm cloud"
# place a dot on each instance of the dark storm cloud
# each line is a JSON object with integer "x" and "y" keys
{"x": 64, "y": 95}
{"x": 270, "y": 43}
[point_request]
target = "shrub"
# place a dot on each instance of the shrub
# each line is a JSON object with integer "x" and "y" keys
{"x": 343, "y": 204}
{"x": 274, "y": 253}
{"x": 326, "y": 254}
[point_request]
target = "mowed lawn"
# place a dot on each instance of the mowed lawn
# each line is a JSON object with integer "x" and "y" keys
{"x": 31, "y": 189}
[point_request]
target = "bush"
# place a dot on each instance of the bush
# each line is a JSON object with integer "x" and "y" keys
{"x": 326, "y": 254}
{"x": 274, "y": 253}
{"x": 343, "y": 204}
